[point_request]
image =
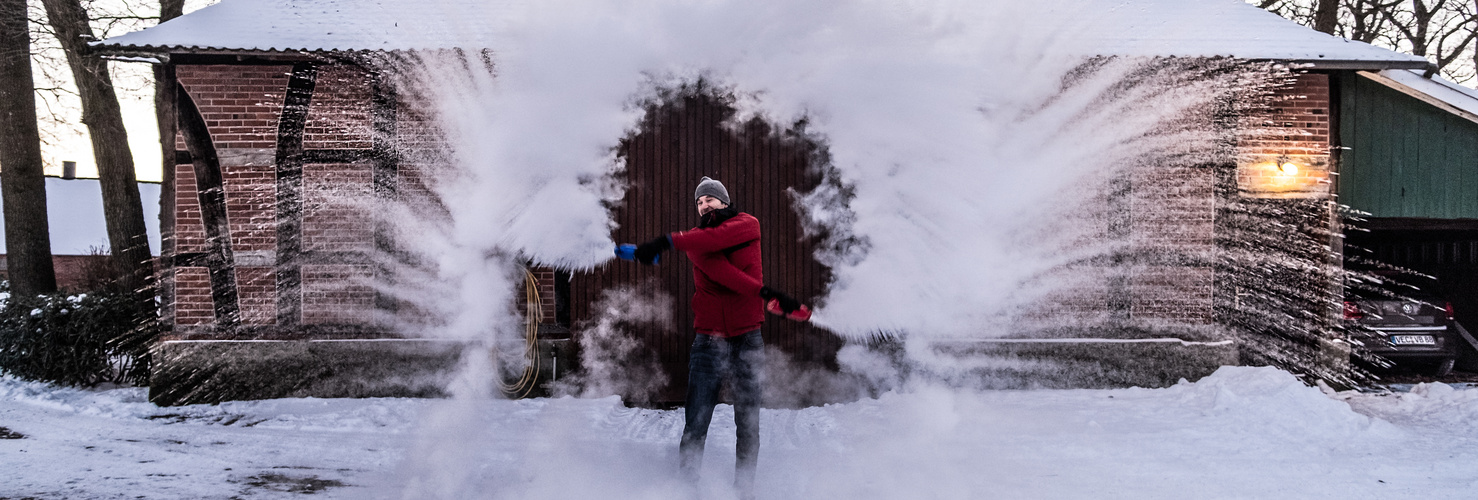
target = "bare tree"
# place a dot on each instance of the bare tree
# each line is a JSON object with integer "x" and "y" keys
{"x": 122, "y": 207}
{"x": 1443, "y": 31}
{"x": 1440, "y": 30}
{"x": 1437, "y": 29}
{"x": 1365, "y": 21}
{"x": 22, "y": 183}
{"x": 1326, "y": 16}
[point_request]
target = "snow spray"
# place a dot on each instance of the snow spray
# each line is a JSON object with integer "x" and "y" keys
{"x": 973, "y": 146}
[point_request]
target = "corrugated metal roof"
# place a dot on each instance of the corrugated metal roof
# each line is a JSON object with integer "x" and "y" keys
{"x": 1192, "y": 28}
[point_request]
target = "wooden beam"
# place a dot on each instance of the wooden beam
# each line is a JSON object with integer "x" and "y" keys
{"x": 386, "y": 174}
{"x": 210, "y": 188}
{"x": 309, "y": 156}
{"x": 1419, "y": 95}
{"x": 296, "y": 101}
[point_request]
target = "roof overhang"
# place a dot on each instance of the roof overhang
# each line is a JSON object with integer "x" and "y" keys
{"x": 1435, "y": 93}
{"x": 1357, "y": 65}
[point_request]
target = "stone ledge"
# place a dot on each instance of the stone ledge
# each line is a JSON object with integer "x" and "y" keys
{"x": 213, "y": 371}
{"x": 1083, "y": 363}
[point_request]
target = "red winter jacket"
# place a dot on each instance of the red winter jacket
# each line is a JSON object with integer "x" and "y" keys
{"x": 728, "y": 275}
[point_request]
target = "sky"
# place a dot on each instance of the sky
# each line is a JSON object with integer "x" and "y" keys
{"x": 132, "y": 81}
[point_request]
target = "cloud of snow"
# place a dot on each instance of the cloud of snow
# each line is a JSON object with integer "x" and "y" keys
{"x": 964, "y": 138}
{"x": 612, "y": 361}
{"x": 966, "y": 134}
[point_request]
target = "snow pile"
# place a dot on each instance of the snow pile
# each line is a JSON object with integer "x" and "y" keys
{"x": 1436, "y": 404}
{"x": 330, "y": 415}
{"x": 1240, "y": 433}
{"x": 114, "y": 403}
{"x": 1264, "y": 393}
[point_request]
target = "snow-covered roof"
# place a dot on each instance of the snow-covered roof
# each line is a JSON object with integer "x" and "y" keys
{"x": 318, "y": 26}
{"x": 1232, "y": 28}
{"x": 1192, "y": 28}
{"x": 1437, "y": 91}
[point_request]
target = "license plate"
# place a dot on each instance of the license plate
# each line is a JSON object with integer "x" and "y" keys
{"x": 1413, "y": 340}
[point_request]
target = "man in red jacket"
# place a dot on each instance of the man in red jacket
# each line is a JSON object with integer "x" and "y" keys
{"x": 728, "y": 308}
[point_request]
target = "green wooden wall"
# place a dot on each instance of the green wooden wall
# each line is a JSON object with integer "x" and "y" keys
{"x": 1405, "y": 158}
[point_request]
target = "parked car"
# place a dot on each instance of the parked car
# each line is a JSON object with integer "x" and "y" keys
{"x": 1401, "y": 318}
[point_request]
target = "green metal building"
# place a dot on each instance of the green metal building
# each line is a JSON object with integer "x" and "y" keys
{"x": 1408, "y": 167}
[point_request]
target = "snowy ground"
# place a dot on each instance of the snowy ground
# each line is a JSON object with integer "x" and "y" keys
{"x": 1241, "y": 433}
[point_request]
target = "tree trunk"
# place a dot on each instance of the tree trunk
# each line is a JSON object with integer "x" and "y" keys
{"x": 168, "y": 118}
{"x": 122, "y": 208}
{"x": 1326, "y": 16}
{"x": 22, "y": 181}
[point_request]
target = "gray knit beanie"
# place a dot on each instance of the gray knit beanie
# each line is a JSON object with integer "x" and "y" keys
{"x": 712, "y": 188}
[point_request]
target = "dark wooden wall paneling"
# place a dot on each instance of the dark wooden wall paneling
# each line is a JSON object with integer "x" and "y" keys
{"x": 681, "y": 142}
{"x": 1450, "y": 255}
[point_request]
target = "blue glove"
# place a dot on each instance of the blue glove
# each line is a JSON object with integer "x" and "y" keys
{"x": 627, "y": 251}
{"x": 649, "y": 252}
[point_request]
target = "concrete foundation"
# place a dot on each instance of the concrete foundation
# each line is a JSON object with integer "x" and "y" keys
{"x": 1080, "y": 363}
{"x": 213, "y": 371}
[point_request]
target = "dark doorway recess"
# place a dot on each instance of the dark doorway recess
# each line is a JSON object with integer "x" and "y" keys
{"x": 1446, "y": 249}
{"x": 682, "y": 138}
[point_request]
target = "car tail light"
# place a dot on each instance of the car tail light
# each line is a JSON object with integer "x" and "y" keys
{"x": 1352, "y": 311}
{"x": 1449, "y": 311}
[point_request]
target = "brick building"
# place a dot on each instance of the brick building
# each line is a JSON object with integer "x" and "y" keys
{"x": 281, "y": 146}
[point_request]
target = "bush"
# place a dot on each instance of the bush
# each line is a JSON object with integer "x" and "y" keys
{"x": 82, "y": 339}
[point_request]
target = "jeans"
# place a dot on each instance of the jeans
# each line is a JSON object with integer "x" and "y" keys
{"x": 741, "y": 359}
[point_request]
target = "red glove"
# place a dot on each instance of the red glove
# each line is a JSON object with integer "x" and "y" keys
{"x": 783, "y": 305}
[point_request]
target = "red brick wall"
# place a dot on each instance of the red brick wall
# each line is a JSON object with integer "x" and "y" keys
{"x": 192, "y": 304}
{"x": 1296, "y": 127}
{"x": 544, "y": 277}
{"x": 338, "y": 294}
{"x": 241, "y": 106}
{"x": 189, "y": 231}
{"x": 335, "y": 197}
{"x": 251, "y": 206}
{"x": 1173, "y": 210}
{"x": 340, "y": 116}
{"x": 1297, "y": 122}
{"x": 74, "y": 273}
{"x": 256, "y": 289}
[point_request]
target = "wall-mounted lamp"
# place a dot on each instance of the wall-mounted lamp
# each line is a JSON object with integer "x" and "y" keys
{"x": 69, "y": 170}
{"x": 1286, "y": 167}
{"x": 1283, "y": 176}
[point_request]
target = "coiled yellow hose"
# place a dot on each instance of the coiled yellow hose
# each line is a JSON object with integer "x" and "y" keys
{"x": 525, "y": 385}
